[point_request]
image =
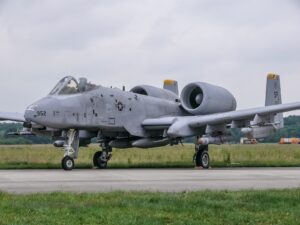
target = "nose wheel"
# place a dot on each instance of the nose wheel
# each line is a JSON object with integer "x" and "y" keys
{"x": 67, "y": 163}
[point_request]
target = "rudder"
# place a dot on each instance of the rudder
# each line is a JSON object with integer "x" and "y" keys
{"x": 273, "y": 96}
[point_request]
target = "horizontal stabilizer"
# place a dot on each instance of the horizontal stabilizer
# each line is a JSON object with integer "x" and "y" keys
{"x": 23, "y": 132}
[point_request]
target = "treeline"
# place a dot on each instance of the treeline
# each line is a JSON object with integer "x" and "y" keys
{"x": 292, "y": 129}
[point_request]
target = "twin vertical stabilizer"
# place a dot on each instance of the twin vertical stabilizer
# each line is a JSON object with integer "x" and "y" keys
{"x": 171, "y": 85}
{"x": 273, "y": 97}
{"x": 264, "y": 126}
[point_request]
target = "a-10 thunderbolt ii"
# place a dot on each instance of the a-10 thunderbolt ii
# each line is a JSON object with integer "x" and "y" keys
{"x": 74, "y": 112}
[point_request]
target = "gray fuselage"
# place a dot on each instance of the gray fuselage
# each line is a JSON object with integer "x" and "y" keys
{"x": 105, "y": 109}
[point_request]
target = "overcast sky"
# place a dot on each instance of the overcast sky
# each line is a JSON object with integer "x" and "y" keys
{"x": 231, "y": 43}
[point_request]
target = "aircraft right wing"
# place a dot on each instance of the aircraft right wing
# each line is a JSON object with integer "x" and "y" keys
{"x": 184, "y": 126}
{"x": 16, "y": 117}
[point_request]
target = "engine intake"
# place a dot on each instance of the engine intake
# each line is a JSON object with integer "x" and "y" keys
{"x": 154, "y": 92}
{"x": 202, "y": 99}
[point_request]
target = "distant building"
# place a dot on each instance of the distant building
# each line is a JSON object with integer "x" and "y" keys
{"x": 289, "y": 141}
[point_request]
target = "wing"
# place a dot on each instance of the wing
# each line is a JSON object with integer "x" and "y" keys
{"x": 17, "y": 117}
{"x": 185, "y": 126}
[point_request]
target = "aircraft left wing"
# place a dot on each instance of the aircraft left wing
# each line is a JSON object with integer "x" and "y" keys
{"x": 17, "y": 117}
{"x": 185, "y": 126}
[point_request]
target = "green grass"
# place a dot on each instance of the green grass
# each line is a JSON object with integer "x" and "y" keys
{"x": 46, "y": 156}
{"x": 243, "y": 207}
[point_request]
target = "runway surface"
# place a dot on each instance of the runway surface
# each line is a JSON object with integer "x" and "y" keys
{"x": 164, "y": 180}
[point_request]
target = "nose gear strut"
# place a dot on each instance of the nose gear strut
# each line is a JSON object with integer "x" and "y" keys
{"x": 71, "y": 149}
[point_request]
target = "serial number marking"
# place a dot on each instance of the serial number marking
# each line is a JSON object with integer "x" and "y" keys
{"x": 41, "y": 113}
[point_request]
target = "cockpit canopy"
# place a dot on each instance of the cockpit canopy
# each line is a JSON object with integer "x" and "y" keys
{"x": 69, "y": 85}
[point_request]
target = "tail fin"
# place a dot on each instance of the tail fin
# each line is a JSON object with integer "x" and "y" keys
{"x": 171, "y": 85}
{"x": 273, "y": 97}
{"x": 273, "y": 93}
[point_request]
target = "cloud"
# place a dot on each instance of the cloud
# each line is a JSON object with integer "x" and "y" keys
{"x": 232, "y": 44}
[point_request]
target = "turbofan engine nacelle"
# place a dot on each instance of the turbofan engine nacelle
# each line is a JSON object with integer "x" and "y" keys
{"x": 154, "y": 92}
{"x": 202, "y": 99}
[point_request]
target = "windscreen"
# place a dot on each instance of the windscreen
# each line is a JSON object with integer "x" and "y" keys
{"x": 66, "y": 86}
{"x": 71, "y": 87}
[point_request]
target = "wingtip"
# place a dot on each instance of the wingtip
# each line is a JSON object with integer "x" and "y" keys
{"x": 273, "y": 76}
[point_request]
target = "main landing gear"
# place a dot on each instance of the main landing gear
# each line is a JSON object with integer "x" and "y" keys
{"x": 201, "y": 156}
{"x": 101, "y": 158}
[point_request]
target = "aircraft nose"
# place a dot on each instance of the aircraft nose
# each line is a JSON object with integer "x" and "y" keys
{"x": 30, "y": 113}
{"x": 37, "y": 111}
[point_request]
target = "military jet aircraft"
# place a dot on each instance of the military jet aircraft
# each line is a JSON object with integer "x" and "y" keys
{"x": 74, "y": 112}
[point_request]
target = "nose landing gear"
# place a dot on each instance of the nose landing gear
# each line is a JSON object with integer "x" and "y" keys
{"x": 71, "y": 149}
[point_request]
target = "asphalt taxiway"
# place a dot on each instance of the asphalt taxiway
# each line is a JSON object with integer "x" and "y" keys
{"x": 163, "y": 180}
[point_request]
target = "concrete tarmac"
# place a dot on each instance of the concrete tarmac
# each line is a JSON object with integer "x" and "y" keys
{"x": 163, "y": 180}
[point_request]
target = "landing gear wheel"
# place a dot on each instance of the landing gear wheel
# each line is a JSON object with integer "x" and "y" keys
{"x": 202, "y": 157}
{"x": 67, "y": 163}
{"x": 205, "y": 160}
{"x": 100, "y": 160}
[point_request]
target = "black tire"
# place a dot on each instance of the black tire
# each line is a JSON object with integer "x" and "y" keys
{"x": 202, "y": 157}
{"x": 205, "y": 160}
{"x": 98, "y": 160}
{"x": 67, "y": 163}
